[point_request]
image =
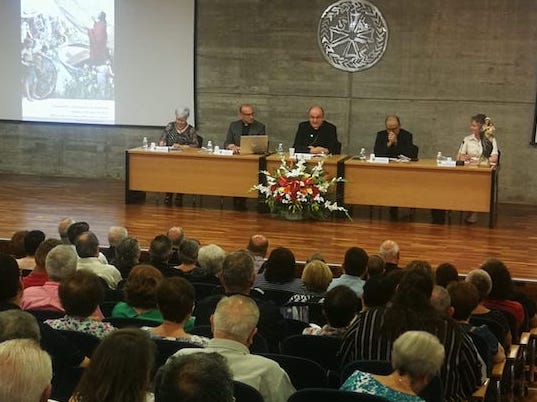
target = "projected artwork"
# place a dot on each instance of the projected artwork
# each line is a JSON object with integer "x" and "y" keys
{"x": 67, "y": 56}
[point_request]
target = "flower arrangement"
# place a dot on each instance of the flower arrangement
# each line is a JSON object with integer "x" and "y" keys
{"x": 297, "y": 189}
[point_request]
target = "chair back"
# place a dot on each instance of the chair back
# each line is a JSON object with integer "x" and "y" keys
{"x": 305, "y": 311}
{"x": 42, "y": 315}
{"x": 246, "y": 393}
{"x": 279, "y": 297}
{"x": 166, "y": 348}
{"x": 492, "y": 325}
{"x": 86, "y": 343}
{"x": 294, "y": 327}
{"x": 122, "y": 322}
{"x": 320, "y": 349}
{"x": 107, "y": 307}
{"x": 332, "y": 395}
{"x": 203, "y": 289}
{"x": 303, "y": 373}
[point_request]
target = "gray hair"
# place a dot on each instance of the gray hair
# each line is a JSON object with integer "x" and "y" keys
{"x": 440, "y": 299}
{"x": 417, "y": 354}
{"x": 26, "y": 371}
{"x": 62, "y": 229}
{"x": 17, "y": 324}
{"x": 182, "y": 112}
{"x": 116, "y": 234}
{"x": 389, "y": 248}
{"x": 61, "y": 262}
{"x": 211, "y": 258}
{"x": 236, "y": 317}
{"x": 481, "y": 280}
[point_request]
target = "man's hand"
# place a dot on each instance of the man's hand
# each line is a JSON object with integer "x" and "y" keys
{"x": 318, "y": 150}
{"x": 392, "y": 138}
{"x": 234, "y": 148}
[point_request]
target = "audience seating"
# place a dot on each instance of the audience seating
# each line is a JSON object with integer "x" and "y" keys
{"x": 86, "y": 343}
{"x": 294, "y": 327}
{"x": 320, "y": 349}
{"x": 203, "y": 289}
{"x": 279, "y": 297}
{"x": 107, "y": 307}
{"x": 304, "y": 373}
{"x": 332, "y": 395}
{"x": 246, "y": 393}
{"x": 42, "y": 315}
{"x": 121, "y": 322}
{"x": 303, "y": 311}
{"x": 166, "y": 348}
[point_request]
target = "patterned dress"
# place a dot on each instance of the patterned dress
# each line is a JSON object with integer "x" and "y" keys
{"x": 84, "y": 325}
{"x": 193, "y": 339}
{"x": 367, "y": 384}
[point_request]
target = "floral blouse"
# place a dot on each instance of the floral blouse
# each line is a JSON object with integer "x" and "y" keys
{"x": 367, "y": 384}
{"x": 84, "y": 325}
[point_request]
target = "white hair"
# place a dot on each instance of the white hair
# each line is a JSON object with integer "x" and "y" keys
{"x": 18, "y": 324}
{"x": 62, "y": 229}
{"x": 182, "y": 112}
{"x": 25, "y": 371}
{"x": 440, "y": 299}
{"x": 211, "y": 258}
{"x": 481, "y": 280}
{"x": 116, "y": 234}
{"x": 235, "y": 317}
{"x": 389, "y": 248}
{"x": 61, "y": 262}
{"x": 417, "y": 354}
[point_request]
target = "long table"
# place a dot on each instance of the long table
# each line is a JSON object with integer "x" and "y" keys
{"x": 421, "y": 184}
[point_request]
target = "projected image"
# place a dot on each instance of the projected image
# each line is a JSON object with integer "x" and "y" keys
{"x": 67, "y": 56}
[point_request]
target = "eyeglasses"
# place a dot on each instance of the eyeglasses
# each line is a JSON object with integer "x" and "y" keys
{"x": 247, "y": 114}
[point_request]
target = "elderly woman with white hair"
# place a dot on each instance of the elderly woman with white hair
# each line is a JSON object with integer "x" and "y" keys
{"x": 416, "y": 358}
{"x": 179, "y": 134}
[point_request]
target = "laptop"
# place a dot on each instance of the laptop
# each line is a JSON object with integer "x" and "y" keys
{"x": 254, "y": 144}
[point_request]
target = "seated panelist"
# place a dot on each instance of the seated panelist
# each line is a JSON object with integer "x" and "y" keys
{"x": 395, "y": 141}
{"x": 246, "y": 125}
{"x": 316, "y": 136}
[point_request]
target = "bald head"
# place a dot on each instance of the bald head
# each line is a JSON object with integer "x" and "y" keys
{"x": 258, "y": 245}
{"x": 235, "y": 318}
{"x": 393, "y": 124}
{"x": 176, "y": 234}
{"x": 389, "y": 250}
{"x": 116, "y": 234}
{"x": 316, "y": 116}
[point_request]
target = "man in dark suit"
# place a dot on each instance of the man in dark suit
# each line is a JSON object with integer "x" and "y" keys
{"x": 316, "y": 136}
{"x": 395, "y": 141}
{"x": 247, "y": 125}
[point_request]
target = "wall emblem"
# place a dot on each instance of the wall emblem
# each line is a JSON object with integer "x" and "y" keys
{"x": 352, "y": 35}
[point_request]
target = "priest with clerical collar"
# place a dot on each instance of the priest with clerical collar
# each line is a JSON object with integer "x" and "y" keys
{"x": 316, "y": 136}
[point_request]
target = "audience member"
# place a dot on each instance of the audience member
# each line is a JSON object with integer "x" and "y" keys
{"x": 32, "y": 240}
{"x": 39, "y": 276}
{"x": 375, "y": 265}
{"x": 80, "y": 295}
{"x": 60, "y": 264}
{"x": 441, "y": 301}
{"x": 445, "y": 274}
{"x": 115, "y": 235}
{"x": 120, "y": 369}
{"x": 188, "y": 250}
{"x": 75, "y": 230}
{"x": 316, "y": 276}
{"x": 234, "y": 327}
{"x": 211, "y": 259}
{"x": 371, "y": 337}
{"x": 175, "y": 298}
{"x": 258, "y": 247}
{"x": 17, "y": 324}
{"x": 160, "y": 251}
{"x": 422, "y": 266}
{"x": 340, "y": 307}
{"x": 197, "y": 377}
{"x": 378, "y": 291}
{"x": 140, "y": 295}
{"x": 10, "y": 283}
{"x": 25, "y": 371}
{"x": 280, "y": 272}
{"x": 127, "y": 255}
{"x": 389, "y": 250}
{"x": 494, "y": 319}
{"x": 16, "y": 244}
{"x": 87, "y": 247}
{"x": 354, "y": 270}
{"x": 176, "y": 234}
{"x": 416, "y": 358}
{"x": 63, "y": 227}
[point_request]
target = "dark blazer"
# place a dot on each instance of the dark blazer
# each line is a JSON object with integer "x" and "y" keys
{"x": 325, "y": 136}
{"x": 404, "y": 145}
{"x": 234, "y": 132}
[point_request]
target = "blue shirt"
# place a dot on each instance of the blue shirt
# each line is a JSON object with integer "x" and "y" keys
{"x": 367, "y": 384}
{"x": 354, "y": 282}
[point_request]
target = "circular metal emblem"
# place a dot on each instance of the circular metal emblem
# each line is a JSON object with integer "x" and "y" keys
{"x": 352, "y": 35}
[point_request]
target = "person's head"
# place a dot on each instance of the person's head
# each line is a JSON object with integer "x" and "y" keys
{"x": 235, "y": 318}
{"x": 81, "y": 293}
{"x": 211, "y": 258}
{"x": 127, "y": 254}
{"x": 445, "y": 274}
{"x": 418, "y": 355}
{"x": 340, "y": 306}
{"x": 482, "y": 282}
{"x": 42, "y": 252}
{"x": 141, "y": 287}
{"x": 25, "y": 371}
{"x": 355, "y": 262}
{"x": 464, "y": 299}
{"x": 16, "y": 244}
{"x": 389, "y": 250}
{"x": 196, "y": 377}
{"x": 441, "y": 300}
{"x": 377, "y": 291}
{"x": 316, "y": 116}
{"x": 188, "y": 251}
{"x": 415, "y": 289}
{"x": 87, "y": 245}
{"x": 10, "y": 283}
{"x": 246, "y": 113}
{"x": 420, "y": 265}
{"x": 181, "y": 117}
{"x": 258, "y": 245}
{"x": 316, "y": 276}
{"x": 476, "y": 123}
{"x": 393, "y": 124}
{"x": 280, "y": 266}
{"x": 502, "y": 286}
{"x": 375, "y": 265}
{"x": 176, "y": 234}
{"x": 32, "y": 240}
{"x": 61, "y": 262}
{"x": 315, "y": 257}
{"x": 63, "y": 226}
{"x": 238, "y": 272}
{"x": 116, "y": 234}
{"x": 120, "y": 368}
{"x": 18, "y": 324}
{"x": 76, "y": 229}
{"x": 160, "y": 248}
{"x": 175, "y": 299}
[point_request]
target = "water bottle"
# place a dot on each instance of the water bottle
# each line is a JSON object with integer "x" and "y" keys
{"x": 362, "y": 154}
{"x": 279, "y": 149}
{"x": 144, "y": 143}
{"x": 209, "y": 146}
{"x": 439, "y": 158}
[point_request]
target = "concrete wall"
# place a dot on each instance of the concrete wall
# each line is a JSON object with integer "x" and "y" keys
{"x": 445, "y": 61}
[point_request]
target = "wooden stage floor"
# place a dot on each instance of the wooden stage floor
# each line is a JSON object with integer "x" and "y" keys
{"x": 30, "y": 202}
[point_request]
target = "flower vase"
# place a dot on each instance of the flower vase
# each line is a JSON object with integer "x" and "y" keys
{"x": 293, "y": 216}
